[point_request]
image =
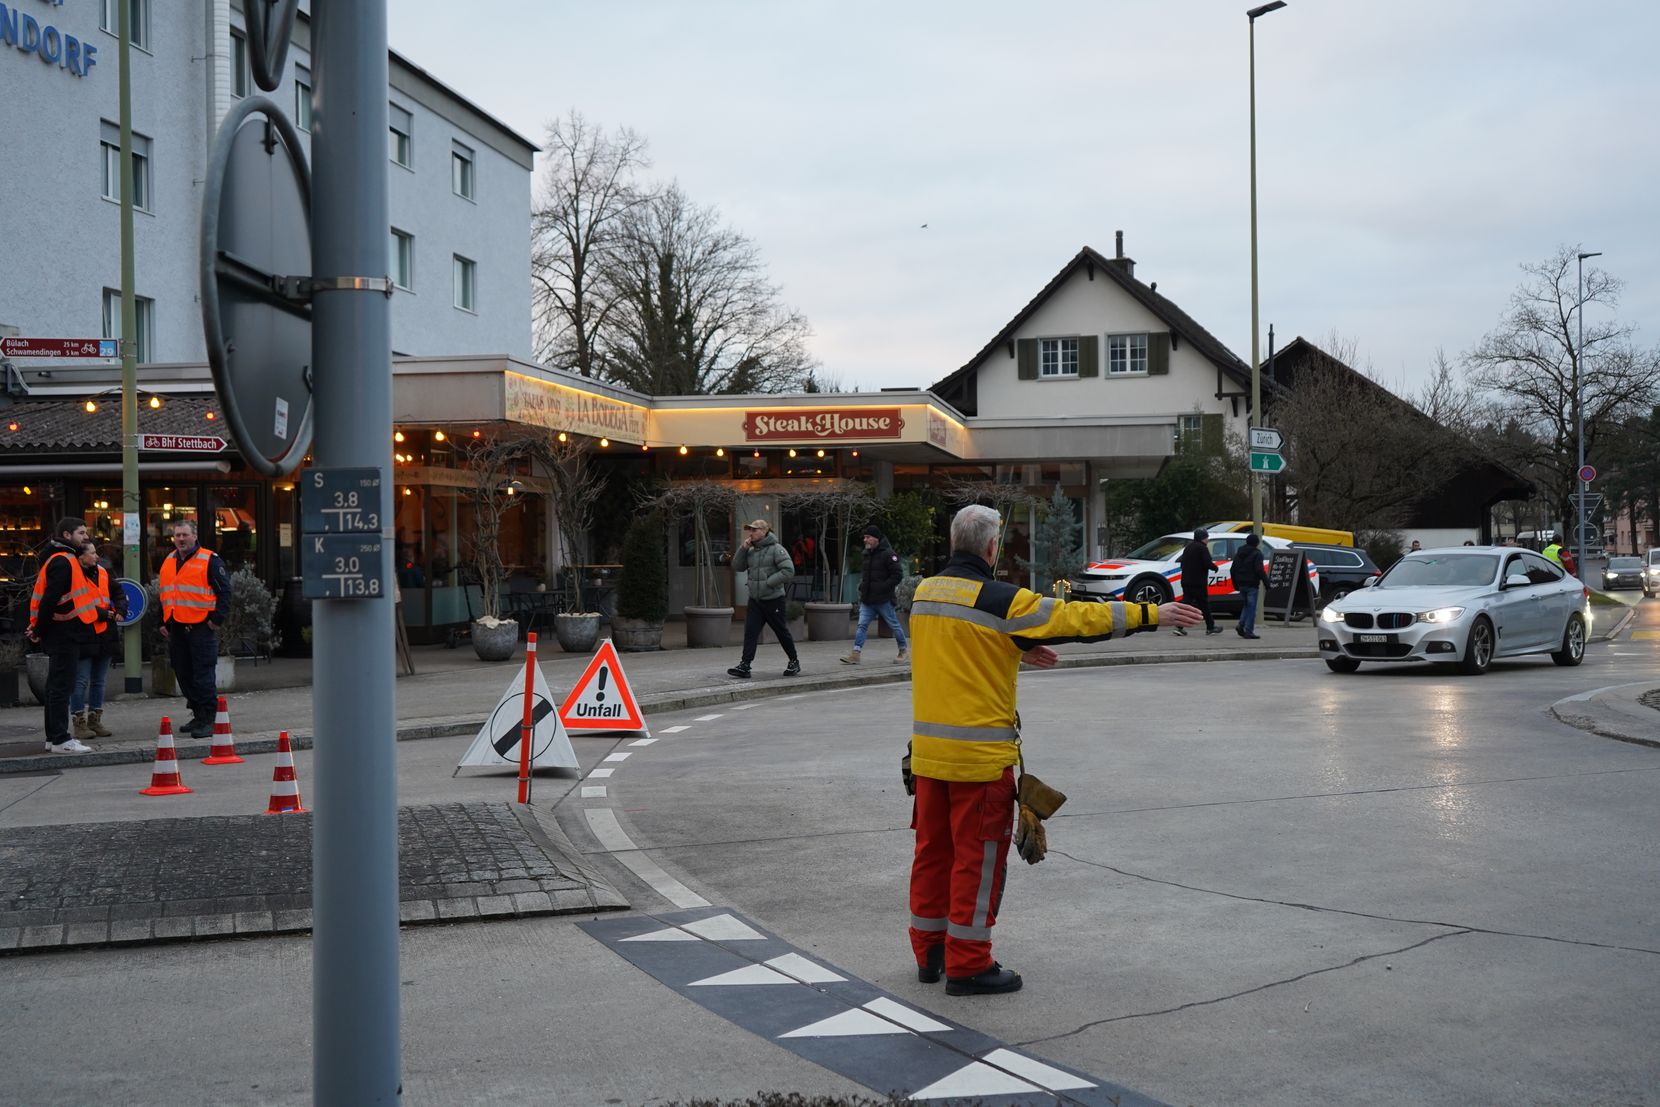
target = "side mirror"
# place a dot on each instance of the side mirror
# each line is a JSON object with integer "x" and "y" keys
{"x": 1516, "y": 580}
{"x": 1370, "y": 582}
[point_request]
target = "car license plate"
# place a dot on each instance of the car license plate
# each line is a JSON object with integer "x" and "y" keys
{"x": 1381, "y": 639}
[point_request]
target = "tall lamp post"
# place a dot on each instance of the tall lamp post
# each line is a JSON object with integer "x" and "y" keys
{"x": 1256, "y": 353}
{"x": 1579, "y": 415}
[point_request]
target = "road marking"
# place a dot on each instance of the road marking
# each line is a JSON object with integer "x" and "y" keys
{"x": 674, "y": 729}
{"x": 642, "y": 741}
{"x": 706, "y": 718}
{"x": 596, "y": 791}
{"x": 600, "y": 774}
{"x": 618, "y": 756}
{"x": 1645, "y": 634}
{"x": 603, "y": 822}
{"x": 745, "y": 706}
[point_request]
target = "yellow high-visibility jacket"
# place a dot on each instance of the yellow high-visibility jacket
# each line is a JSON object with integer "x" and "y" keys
{"x": 968, "y": 631}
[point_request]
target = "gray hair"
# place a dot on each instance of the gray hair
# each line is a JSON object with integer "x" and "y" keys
{"x": 177, "y": 523}
{"x": 973, "y": 528}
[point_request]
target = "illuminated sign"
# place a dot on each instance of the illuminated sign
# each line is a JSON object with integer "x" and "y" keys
{"x": 817, "y": 424}
{"x": 556, "y": 407}
{"x": 48, "y": 43}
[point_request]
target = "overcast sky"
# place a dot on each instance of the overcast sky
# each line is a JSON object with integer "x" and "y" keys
{"x": 1411, "y": 154}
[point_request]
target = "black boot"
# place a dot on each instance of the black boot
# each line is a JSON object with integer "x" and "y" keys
{"x": 993, "y": 981}
{"x": 741, "y": 669}
{"x": 929, "y": 971}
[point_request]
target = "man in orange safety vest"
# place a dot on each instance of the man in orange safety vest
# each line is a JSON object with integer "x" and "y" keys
{"x": 195, "y": 600}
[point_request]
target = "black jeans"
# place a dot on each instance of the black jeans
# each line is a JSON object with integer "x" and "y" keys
{"x": 193, "y": 651}
{"x": 769, "y": 613}
{"x": 63, "y": 653}
{"x": 1198, "y": 595}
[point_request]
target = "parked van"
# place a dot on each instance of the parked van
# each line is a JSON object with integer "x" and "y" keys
{"x": 1290, "y": 533}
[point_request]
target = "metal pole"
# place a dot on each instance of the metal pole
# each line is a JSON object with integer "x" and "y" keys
{"x": 1579, "y": 416}
{"x": 355, "y": 1051}
{"x": 132, "y": 519}
{"x": 1256, "y": 366}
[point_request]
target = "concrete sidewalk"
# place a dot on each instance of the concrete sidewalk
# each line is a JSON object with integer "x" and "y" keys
{"x": 452, "y": 691}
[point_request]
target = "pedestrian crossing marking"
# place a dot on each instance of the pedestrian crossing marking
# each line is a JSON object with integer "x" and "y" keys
{"x": 749, "y": 974}
{"x": 675, "y": 729}
{"x": 600, "y": 774}
{"x": 642, "y": 741}
{"x": 618, "y": 756}
{"x": 593, "y": 791}
{"x": 672, "y": 934}
{"x": 848, "y": 1024}
{"x": 808, "y": 972}
{"x": 1645, "y": 634}
{"x": 706, "y": 718}
{"x": 723, "y": 928}
{"x": 1052, "y": 1078}
{"x": 906, "y": 1017}
{"x": 978, "y": 1078}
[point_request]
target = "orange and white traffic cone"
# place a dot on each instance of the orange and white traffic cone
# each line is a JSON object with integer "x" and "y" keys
{"x": 285, "y": 786}
{"x": 164, "y": 776}
{"x": 223, "y": 750}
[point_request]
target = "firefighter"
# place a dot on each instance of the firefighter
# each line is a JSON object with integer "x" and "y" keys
{"x": 969, "y": 634}
{"x": 62, "y": 611}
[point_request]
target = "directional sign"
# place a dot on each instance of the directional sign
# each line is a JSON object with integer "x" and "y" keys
{"x": 59, "y": 347}
{"x": 340, "y": 501}
{"x": 193, "y": 443}
{"x": 1267, "y": 440}
{"x": 342, "y": 567}
{"x": 1587, "y": 473}
{"x": 1266, "y": 463}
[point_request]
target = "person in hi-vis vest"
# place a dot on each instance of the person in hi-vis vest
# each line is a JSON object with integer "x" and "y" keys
{"x": 195, "y": 600}
{"x": 62, "y": 611}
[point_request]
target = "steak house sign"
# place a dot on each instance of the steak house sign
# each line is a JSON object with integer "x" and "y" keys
{"x": 810, "y": 424}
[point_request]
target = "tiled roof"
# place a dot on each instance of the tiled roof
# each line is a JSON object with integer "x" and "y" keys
{"x": 64, "y": 426}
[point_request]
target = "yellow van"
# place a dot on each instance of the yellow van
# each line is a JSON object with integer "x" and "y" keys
{"x": 1320, "y": 535}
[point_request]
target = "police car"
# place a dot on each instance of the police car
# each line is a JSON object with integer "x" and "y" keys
{"x": 1153, "y": 573}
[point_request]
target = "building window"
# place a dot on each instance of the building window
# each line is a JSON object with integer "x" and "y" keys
{"x": 461, "y": 171}
{"x": 111, "y": 144}
{"x": 1057, "y": 357}
{"x": 239, "y": 64}
{"x": 138, "y": 20}
{"x": 402, "y": 259}
{"x": 402, "y": 131}
{"x": 466, "y": 283}
{"x": 145, "y": 312}
{"x": 302, "y": 98}
{"x": 1190, "y": 432}
{"x": 1126, "y": 353}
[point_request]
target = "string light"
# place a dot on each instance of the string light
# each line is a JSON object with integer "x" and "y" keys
{"x": 683, "y": 450}
{"x": 792, "y": 452}
{"x": 211, "y": 416}
{"x": 155, "y": 403}
{"x": 438, "y": 436}
{"x": 855, "y": 453}
{"x": 406, "y": 491}
{"x": 27, "y": 491}
{"x": 91, "y": 406}
{"x": 477, "y": 434}
{"x": 563, "y": 437}
{"x": 604, "y": 442}
{"x": 11, "y": 426}
{"x": 821, "y": 453}
{"x": 644, "y": 447}
{"x": 757, "y": 453}
{"x": 397, "y": 436}
{"x": 720, "y": 451}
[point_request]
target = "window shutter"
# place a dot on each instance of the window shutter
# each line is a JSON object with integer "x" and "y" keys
{"x": 1026, "y": 351}
{"x": 1158, "y": 354}
{"x": 1210, "y": 431}
{"x": 1089, "y": 356}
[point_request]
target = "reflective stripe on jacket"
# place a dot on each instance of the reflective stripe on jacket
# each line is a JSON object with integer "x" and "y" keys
{"x": 967, "y": 634}
{"x": 186, "y": 594}
{"x": 79, "y": 602}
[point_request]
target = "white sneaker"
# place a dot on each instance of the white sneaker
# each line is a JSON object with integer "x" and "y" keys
{"x": 74, "y": 745}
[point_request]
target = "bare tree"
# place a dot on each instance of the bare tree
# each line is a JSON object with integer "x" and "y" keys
{"x": 836, "y": 511}
{"x": 1008, "y": 500}
{"x": 587, "y": 190}
{"x": 696, "y": 313}
{"x": 1532, "y": 361}
{"x": 699, "y": 500}
{"x": 577, "y": 484}
{"x": 490, "y": 464}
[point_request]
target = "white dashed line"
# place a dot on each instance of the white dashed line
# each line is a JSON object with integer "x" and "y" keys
{"x": 603, "y": 822}
{"x": 600, "y": 774}
{"x": 642, "y": 741}
{"x": 744, "y": 706}
{"x": 595, "y": 791}
{"x": 618, "y": 756}
{"x": 706, "y": 718}
{"x": 674, "y": 729}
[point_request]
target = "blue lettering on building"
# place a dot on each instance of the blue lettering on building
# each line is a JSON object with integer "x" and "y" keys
{"x": 52, "y": 46}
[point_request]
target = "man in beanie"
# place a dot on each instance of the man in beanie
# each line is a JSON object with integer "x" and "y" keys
{"x": 877, "y": 583}
{"x": 769, "y": 568}
{"x": 1197, "y": 567}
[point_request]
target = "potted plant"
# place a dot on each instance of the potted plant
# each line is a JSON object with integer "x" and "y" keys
{"x": 907, "y": 519}
{"x": 12, "y": 652}
{"x": 834, "y": 510}
{"x": 577, "y": 484}
{"x": 643, "y": 587}
{"x": 249, "y": 628}
{"x": 708, "y": 622}
{"x": 492, "y": 492}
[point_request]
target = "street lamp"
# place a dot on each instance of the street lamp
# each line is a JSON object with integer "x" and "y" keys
{"x": 1256, "y": 354}
{"x": 1579, "y": 414}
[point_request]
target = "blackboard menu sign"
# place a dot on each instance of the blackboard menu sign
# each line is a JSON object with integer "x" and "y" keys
{"x": 1288, "y": 585}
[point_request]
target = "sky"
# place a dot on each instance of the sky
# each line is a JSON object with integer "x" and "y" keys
{"x": 1411, "y": 155}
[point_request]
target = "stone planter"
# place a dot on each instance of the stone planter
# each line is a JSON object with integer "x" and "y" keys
{"x": 883, "y": 631}
{"x": 495, "y": 643}
{"x": 636, "y": 635}
{"x": 224, "y": 674}
{"x": 828, "y": 622}
{"x": 707, "y": 627}
{"x": 798, "y": 630}
{"x": 164, "y": 683}
{"x": 577, "y": 633}
{"x": 35, "y": 666}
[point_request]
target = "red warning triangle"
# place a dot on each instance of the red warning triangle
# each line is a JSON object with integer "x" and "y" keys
{"x": 602, "y": 699}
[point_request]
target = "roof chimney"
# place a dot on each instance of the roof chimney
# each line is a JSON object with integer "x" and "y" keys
{"x": 1121, "y": 244}
{"x": 1124, "y": 263}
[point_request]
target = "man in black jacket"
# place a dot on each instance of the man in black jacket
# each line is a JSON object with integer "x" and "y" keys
{"x": 60, "y": 614}
{"x": 877, "y": 583}
{"x": 1248, "y": 575}
{"x": 1197, "y": 567}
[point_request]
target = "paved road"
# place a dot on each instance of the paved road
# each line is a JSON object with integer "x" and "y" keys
{"x": 1272, "y": 883}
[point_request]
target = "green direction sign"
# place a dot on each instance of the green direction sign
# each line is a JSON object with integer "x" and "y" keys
{"x": 1267, "y": 463}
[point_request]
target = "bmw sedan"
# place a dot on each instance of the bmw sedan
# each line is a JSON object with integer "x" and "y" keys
{"x": 1461, "y": 605}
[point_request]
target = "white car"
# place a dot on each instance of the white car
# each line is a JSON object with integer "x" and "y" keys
{"x": 1460, "y": 604}
{"x": 1153, "y": 573}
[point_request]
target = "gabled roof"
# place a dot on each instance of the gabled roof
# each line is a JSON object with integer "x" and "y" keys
{"x": 1181, "y": 324}
{"x": 64, "y": 426}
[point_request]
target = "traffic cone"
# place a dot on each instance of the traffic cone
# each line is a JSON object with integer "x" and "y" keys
{"x": 164, "y": 777}
{"x": 223, "y": 751}
{"x": 285, "y": 787}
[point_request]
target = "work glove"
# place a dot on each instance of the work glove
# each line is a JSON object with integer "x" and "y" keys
{"x": 1029, "y": 839}
{"x": 905, "y": 771}
{"x": 1042, "y": 799}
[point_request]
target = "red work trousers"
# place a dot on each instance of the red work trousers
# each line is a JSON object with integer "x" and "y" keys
{"x": 962, "y": 851}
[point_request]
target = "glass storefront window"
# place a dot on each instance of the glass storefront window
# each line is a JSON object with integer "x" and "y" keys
{"x": 24, "y": 511}
{"x": 230, "y": 525}
{"x": 165, "y": 505}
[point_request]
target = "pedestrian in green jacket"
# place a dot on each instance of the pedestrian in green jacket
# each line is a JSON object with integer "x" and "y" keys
{"x": 769, "y": 568}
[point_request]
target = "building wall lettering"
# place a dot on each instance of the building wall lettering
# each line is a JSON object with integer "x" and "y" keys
{"x": 50, "y": 45}
{"x": 880, "y": 422}
{"x": 556, "y": 407}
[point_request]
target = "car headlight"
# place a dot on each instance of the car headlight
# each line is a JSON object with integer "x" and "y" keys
{"x": 1330, "y": 614}
{"x": 1440, "y": 615}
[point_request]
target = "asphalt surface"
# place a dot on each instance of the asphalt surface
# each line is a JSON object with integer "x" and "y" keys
{"x": 1271, "y": 884}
